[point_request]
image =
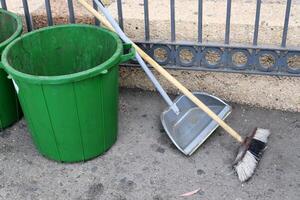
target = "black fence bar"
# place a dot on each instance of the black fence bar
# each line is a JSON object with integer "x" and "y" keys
{"x": 146, "y": 16}
{"x": 225, "y": 50}
{"x": 3, "y": 4}
{"x": 27, "y": 16}
{"x": 286, "y": 22}
{"x": 71, "y": 11}
{"x": 49, "y": 12}
{"x": 200, "y": 20}
{"x": 220, "y": 45}
{"x": 97, "y": 22}
{"x": 228, "y": 14}
{"x": 120, "y": 14}
{"x": 256, "y": 25}
{"x": 173, "y": 31}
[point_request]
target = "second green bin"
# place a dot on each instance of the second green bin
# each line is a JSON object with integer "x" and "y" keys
{"x": 10, "y": 111}
{"x": 67, "y": 82}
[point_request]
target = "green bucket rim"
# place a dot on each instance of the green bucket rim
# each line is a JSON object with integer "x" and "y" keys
{"x": 114, "y": 60}
{"x": 18, "y": 30}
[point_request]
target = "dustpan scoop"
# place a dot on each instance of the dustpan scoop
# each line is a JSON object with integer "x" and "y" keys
{"x": 192, "y": 126}
{"x": 185, "y": 123}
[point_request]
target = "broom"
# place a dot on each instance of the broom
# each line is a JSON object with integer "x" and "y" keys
{"x": 252, "y": 146}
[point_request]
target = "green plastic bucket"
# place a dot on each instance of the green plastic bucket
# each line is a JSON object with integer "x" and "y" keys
{"x": 10, "y": 29}
{"x": 67, "y": 82}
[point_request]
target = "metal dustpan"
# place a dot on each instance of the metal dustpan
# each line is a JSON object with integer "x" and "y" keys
{"x": 189, "y": 128}
{"x": 187, "y": 125}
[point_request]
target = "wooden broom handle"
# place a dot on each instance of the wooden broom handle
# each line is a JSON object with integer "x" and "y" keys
{"x": 168, "y": 76}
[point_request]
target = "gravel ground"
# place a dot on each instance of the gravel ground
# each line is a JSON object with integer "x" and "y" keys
{"x": 144, "y": 164}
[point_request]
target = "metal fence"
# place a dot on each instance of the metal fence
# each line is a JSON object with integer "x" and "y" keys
{"x": 199, "y": 55}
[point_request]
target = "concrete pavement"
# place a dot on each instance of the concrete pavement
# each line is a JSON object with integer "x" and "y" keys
{"x": 145, "y": 165}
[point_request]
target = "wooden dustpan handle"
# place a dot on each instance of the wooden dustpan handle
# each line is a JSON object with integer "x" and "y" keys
{"x": 169, "y": 77}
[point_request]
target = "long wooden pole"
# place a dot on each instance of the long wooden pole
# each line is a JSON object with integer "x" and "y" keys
{"x": 168, "y": 76}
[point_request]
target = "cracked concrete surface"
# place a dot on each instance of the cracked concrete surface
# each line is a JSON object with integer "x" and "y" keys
{"x": 144, "y": 164}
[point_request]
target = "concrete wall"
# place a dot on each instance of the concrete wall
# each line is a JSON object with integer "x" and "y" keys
{"x": 263, "y": 91}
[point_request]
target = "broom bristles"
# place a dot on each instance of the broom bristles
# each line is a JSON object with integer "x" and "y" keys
{"x": 246, "y": 166}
